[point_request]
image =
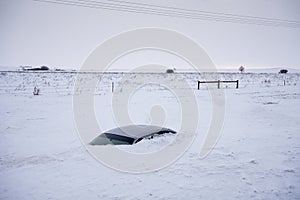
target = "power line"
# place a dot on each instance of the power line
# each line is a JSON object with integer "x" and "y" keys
{"x": 141, "y": 8}
{"x": 201, "y": 11}
{"x": 120, "y": 7}
{"x": 196, "y": 13}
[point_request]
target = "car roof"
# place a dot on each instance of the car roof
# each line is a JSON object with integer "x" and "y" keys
{"x": 137, "y": 131}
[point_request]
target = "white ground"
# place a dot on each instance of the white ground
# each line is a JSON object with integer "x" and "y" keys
{"x": 257, "y": 156}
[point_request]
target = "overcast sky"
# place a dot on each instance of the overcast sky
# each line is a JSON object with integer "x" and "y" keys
{"x": 37, "y": 33}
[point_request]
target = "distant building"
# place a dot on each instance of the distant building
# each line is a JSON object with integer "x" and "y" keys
{"x": 44, "y": 68}
{"x": 29, "y": 68}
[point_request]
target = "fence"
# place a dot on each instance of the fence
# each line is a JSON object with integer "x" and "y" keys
{"x": 218, "y": 82}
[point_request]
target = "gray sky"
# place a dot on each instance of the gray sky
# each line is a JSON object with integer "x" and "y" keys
{"x": 36, "y": 33}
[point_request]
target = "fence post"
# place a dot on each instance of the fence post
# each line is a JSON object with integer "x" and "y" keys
{"x": 237, "y": 84}
{"x": 198, "y": 85}
{"x": 218, "y": 84}
{"x": 112, "y": 86}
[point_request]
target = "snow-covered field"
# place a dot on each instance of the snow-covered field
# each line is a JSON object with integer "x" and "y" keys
{"x": 256, "y": 157}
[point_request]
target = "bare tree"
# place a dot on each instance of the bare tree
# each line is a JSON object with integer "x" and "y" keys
{"x": 241, "y": 69}
{"x": 171, "y": 70}
{"x": 283, "y": 71}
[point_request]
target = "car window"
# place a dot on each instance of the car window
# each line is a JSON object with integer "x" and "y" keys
{"x": 108, "y": 138}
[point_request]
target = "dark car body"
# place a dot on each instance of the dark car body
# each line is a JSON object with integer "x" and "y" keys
{"x": 128, "y": 135}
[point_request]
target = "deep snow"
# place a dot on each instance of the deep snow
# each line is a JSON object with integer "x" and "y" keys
{"x": 256, "y": 157}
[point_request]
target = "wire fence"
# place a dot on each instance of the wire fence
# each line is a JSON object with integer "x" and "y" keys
{"x": 62, "y": 83}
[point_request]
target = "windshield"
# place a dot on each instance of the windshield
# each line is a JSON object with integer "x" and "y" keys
{"x": 108, "y": 138}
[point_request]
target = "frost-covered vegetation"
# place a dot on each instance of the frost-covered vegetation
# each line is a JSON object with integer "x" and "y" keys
{"x": 257, "y": 156}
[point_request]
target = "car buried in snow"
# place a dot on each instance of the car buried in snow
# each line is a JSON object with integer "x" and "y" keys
{"x": 128, "y": 135}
